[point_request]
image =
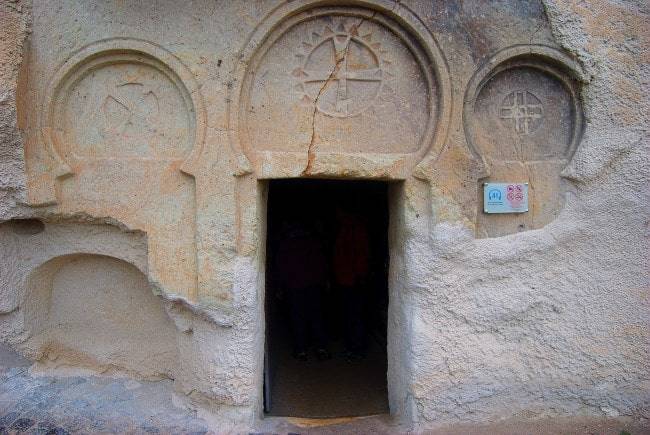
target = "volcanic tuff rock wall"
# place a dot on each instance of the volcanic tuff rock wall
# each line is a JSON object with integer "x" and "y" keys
{"x": 137, "y": 134}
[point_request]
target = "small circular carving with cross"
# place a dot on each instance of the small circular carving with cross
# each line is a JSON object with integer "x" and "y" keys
{"x": 522, "y": 111}
{"x": 341, "y": 71}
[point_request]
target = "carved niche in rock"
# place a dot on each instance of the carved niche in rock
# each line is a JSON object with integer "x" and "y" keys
{"x": 97, "y": 312}
{"x": 522, "y": 116}
{"x": 124, "y": 121}
{"x": 340, "y": 91}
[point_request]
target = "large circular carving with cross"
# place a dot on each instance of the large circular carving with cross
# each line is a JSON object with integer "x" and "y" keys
{"x": 341, "y": 71}
{"x": 339, "y": 91}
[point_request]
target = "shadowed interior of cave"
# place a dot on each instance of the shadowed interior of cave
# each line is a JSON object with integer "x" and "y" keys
{"x": 327, "y": 276}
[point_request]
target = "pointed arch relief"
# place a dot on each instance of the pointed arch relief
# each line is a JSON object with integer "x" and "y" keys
{"x": 340, "y": 91}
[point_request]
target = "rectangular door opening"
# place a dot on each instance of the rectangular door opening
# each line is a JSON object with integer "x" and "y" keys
{"x": 326, "y": 298}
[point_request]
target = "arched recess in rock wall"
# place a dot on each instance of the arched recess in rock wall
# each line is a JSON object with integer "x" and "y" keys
{"x": 97, "y": 312}
{"x": 523, "y": 120}
{"x": 81, "y": 158}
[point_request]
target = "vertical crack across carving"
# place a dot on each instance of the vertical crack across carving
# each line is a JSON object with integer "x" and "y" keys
{"x": 340, "y": 57}
{"x": 335, "y": 70}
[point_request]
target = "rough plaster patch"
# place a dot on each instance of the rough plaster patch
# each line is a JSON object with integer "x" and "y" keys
{"x": 611, "y": 40}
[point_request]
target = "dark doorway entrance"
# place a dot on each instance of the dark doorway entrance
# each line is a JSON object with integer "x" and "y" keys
{"x": 326, "y": 298}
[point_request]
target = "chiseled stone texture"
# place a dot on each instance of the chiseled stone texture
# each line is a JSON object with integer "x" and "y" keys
{"x": 14, "y": 21}
{"x": 138, "y": 133}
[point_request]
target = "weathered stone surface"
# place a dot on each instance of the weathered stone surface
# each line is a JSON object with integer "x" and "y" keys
{"x": 148, "y": 131}
{"x": 14, "y": 20}
{"x": 64, "y": 405}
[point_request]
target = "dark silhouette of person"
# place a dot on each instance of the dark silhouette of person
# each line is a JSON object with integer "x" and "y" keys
{"x": 351, "y": 270}
{"x": 302, "y": 273}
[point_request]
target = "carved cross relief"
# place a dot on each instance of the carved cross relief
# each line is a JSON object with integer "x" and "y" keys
{"x": 524, "y": 110}
{"x": 343, "y": 58}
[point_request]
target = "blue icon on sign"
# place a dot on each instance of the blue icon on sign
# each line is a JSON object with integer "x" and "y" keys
{"x": 494, "y": 194}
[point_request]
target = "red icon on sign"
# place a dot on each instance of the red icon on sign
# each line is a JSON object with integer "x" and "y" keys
{"x": 515, "y": 194}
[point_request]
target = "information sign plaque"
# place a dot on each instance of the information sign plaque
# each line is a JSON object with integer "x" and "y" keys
{"x": 505, "y": 197}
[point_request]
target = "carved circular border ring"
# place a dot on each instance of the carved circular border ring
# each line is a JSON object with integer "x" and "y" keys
{"x": 409, "y": 27}
{"x": 540, "y": 57}
{"x": 109, "y": 51}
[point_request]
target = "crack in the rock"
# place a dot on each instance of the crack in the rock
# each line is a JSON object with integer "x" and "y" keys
{"x": 335, "y": 69}
{"x": 310, "y": 148}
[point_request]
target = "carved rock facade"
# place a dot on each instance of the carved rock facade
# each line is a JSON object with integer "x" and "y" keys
{"x": 150, "y": 132}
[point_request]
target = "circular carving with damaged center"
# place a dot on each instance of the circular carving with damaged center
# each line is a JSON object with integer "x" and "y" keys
{"x": 123, "y": 99}
{"x": 126, "y": 107}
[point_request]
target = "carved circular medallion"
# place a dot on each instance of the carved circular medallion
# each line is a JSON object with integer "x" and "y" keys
{"x": 339, "y": 91}
{"x": 522, "y": 106}
{"x": 346, "y": 59}
{"x": 123, "y": 99}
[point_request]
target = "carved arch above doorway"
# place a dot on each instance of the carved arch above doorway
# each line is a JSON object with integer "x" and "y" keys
{"x": 358, "y": 91}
